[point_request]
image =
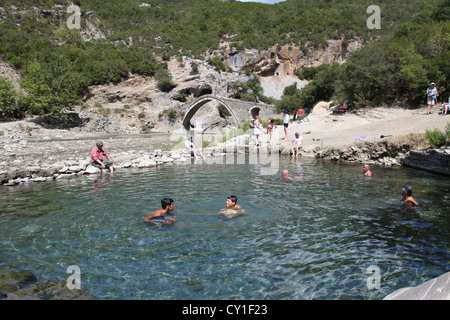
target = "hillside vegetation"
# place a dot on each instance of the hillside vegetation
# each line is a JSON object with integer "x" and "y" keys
{"x": 57, "y": 64}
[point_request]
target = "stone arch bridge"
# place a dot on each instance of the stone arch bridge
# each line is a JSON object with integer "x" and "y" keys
{"x": 240, "y": 111}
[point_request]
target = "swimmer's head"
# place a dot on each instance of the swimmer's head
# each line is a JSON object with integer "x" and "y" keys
{"x": 408, "y": 190}
{"x": 404, "y": 194}
{"x": 166, "y": 202}
{"x": 231, "y": 201}
{"x": 285, "y": 173}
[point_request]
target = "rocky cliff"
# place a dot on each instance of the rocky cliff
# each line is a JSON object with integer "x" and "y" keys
{"x": 282, "y": 61}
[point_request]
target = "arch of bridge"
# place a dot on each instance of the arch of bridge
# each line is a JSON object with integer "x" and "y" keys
{"x": 197, "y": 104}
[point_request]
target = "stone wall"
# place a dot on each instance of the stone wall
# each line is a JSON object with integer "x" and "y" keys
{"x": 432, "y": 160}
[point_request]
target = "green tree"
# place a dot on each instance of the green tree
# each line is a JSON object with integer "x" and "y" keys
{"x": 40, "y": 97}
{"x": 254, "y": 84}
{"x": 52, "y": 87}
{"x": 194, "y": 67}
{"x": 442, "y": 11}
{"x": 366, "y": 78}
{"x": 9, "y": 107}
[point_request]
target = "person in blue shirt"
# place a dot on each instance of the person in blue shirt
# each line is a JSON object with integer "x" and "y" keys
{"x": 431, "y": 97}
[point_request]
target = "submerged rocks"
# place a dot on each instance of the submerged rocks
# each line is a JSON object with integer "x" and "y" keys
{"x": 25, "y": 207}
{"x": 12, "y": 279}
{"x": 18, "y": 284}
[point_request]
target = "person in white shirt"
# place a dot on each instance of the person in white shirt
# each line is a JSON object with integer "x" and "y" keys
{"x": 257, "y": 130}
{"x": 296, "y": 144}
{"x": 286, "y": 124}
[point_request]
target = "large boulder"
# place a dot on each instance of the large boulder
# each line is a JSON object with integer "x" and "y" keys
{"x": 92, "y": 170}
{"x": 434, "y": 289}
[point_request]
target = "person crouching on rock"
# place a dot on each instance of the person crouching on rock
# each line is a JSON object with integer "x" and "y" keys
{"x": 100, "y": 158}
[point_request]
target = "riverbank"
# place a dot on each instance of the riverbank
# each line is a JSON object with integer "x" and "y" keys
{"x": 31, "y": 152}
{"x": 381, "y": 136}
{"x": 322, "y": 129}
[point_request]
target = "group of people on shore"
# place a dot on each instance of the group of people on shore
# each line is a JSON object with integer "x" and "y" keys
{"x": 258, "y": 129}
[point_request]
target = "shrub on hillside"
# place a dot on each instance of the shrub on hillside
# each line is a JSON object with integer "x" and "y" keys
{"x": 164, "y": 80}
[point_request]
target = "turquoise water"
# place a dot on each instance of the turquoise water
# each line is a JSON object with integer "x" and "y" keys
{"x": 313, "y": 238}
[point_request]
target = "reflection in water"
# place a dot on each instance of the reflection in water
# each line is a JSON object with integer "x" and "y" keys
{"x": 309, "y": 238}
{"x": 100, "y": 187}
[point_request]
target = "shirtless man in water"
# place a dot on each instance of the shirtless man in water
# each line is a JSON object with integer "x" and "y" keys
{"x": 167, "y": 205}
{"x": 407, "y": 198}
{"x": 366, "y": 171}
{"x": 285, "y": 175}
{"x": 231, "y": 209}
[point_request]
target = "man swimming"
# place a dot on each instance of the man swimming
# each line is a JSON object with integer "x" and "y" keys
{"x": 285, "y": 175}
{"x": 231, "y": 209}
{"x": 163, "y": 215}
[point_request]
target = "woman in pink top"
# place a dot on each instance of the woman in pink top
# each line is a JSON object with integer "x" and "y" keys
{"x": 97, "y": 159}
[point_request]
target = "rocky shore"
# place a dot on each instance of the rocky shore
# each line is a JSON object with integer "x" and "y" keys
{"x": 387, "y": 153}
{"x": 69, "y": 168}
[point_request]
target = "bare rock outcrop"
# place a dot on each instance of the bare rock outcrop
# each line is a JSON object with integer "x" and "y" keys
{"x": 284, "y": 60}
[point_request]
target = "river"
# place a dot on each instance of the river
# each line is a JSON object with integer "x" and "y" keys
{"x": 315, "y": 237}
